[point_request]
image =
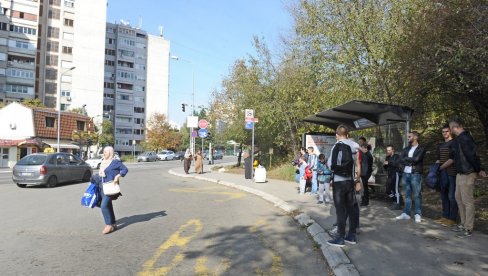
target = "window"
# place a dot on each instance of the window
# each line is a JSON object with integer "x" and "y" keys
{"x": 69, "y": 3}
{"x": 110, "y": 52}
{"x": 50, "y": 87}
{"x": 122, "y": 142}
{"x": 123, "y": 131}
{"x": 125, "y": 64}
{"x": 126, "y": 120}
{"x": 124, "y": 97}
{"x": 126, "y": 53}
{"x": 141, "y": 45}
{"x": 66, "y": 93}
{"x": 52, "y": 46}
{"x": 67, "y": 50}
{"x": 125, "y": 75}
{"x": 108, "y": 96}
{"x": 22, "y": 30}
{"x": 19, "y": 59}
{"x": 139, "y": 109}
{"x": 55, "y": 2}
{"x": 68, "y": 22}
{"x": 125, "y": 86}
{"x": 14, "y": 88}
{"x": 52, "y": 32}
{"x": 24, "y": 15}
{"x": 139, "y": 121}
{"x": 140, "y": 66}
{"x": 49, "y": 121}
{"x": 17, "y": 73}
{"x": 65, "y": 106}
{"x": 80, "y": 125}
{"x": 3, "y": 26}
{"x": 109, "y": 62}
{"x": 51, "y": 74}
{"x": 68, "y": 36}
{"x": 52, "y": 60}
{"x": 126, "y": 31}
{"x": 111, "y": 41}
{"x": 141, "y": 35}
{"x": 110, "y": 85}
{"x": 127, "y": 42}
{"x": 3, "y": 56}
{"x": 139, "y": 88}
{"x": 139, "y": 99}
{"x": 53, "y": 13}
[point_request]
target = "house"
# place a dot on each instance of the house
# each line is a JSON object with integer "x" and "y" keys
{"x": 26, "y": 130}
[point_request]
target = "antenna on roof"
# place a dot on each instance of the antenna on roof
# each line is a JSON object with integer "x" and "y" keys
{"x": 160, "y": 28}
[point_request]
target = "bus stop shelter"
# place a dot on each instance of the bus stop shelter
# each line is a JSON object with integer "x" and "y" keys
{"x": 357, "y": 115}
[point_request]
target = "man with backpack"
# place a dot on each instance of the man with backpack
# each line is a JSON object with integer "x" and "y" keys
{"x": 346, "y": 183}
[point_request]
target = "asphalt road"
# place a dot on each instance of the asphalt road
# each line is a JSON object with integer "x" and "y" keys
{"x": 167, "y": 226}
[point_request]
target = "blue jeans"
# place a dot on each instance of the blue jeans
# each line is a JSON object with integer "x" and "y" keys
{"x": 314, "y": 182}
{"x": 448, "y": 191}
{"x": 107, "y": 209}
{"x": 412, "y": 184}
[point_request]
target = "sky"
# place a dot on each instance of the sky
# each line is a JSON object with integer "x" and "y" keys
{"x": 211, "y": 34}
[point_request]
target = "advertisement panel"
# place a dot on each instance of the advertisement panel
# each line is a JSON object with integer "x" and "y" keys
{"x": 321, "y": 142}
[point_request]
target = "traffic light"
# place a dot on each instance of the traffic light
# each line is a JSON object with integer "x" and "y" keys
{"x": 183, "y": 107}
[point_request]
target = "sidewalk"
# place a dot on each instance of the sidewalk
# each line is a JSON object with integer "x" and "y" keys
{"x": 385, "y": 246}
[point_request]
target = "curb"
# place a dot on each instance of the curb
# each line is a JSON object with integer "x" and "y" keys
{"x": 335, "y": 256}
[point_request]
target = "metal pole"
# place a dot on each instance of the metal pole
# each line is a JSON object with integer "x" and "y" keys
{"x": 59, "y": 105}
{"x": 252, "y": 148}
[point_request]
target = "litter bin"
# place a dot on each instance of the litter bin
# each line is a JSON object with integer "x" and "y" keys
{"x": 260, "y": 174}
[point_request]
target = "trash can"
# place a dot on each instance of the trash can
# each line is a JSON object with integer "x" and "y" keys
{"x": 260, "y": 174}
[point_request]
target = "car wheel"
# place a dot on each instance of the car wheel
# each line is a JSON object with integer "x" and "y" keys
{"x": 21, "y": 185}
{"x": 86, "y": 176}
{"x": 52, "y": 181}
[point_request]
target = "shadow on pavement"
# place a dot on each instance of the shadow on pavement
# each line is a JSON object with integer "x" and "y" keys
{"x": 126, "y": 221}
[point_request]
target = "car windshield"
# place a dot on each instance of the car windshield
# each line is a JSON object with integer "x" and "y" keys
{"x": 33, "y": 160}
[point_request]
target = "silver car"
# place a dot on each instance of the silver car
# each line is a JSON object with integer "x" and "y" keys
{"x": 49, "y": 169}
{"x": 148, "y": 156}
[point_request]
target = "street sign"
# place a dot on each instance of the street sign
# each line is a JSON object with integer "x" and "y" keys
{"x": 203, "y": 133}
{"x": 249, "y": 125}
{"x": 249, "y": 113}
{"x": 202, "y": 123}
{"x": 252, "y": 120}
{"x": 194, "y": 134}
{"x": 192, "y": 121}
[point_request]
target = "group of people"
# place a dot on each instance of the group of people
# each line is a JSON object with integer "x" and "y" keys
{"x": 459, "y": 165}
{"x": 187, "y": 159}
{"x": 350, "y": 166}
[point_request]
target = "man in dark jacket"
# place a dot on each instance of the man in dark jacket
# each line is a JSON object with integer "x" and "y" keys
{"x": 392, "y": 167}
{"x": 468, "y": 166}
{"x": 366, "y": 171}
{"x": 412, "y": 160}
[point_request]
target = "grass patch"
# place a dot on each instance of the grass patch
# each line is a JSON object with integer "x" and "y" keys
{"x": 283, "y": 172}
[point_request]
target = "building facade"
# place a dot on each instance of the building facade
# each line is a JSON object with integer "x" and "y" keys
{"x": 41, "y": 40}
{"x": 135, "y": 84}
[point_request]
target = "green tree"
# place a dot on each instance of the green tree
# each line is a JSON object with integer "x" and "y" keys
{"x": 106, "y": 137}
{"x": 32, "y": 102}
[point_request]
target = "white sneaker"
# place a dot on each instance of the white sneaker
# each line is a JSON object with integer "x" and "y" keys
{"x": 403, "y": 216}
{"x": 418, "y": 218}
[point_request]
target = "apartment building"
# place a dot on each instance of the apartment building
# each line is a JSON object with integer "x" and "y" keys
{"x": 51, "y": 47}
{"x": 136, "y": 83}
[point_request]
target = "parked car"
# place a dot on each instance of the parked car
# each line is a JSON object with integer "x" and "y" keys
{"x": 49, "y": 169}
{"x": 166, "y": 155}
{"x": 217, "y": 155}
{"x": 147, "y": 156}
{"x": 179, "y": 155}
{"x": 95, "y": 162}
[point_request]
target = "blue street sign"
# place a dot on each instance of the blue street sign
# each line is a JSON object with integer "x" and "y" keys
{"x": 249, "y": 125}
{"x": 203, "y": 133}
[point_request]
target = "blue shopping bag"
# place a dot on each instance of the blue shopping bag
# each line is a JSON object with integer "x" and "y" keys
{"x": 91, "y": 197}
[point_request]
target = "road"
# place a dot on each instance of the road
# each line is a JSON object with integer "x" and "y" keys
{"x": 167, "y": 226}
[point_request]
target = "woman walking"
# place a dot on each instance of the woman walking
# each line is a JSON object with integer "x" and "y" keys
{"x": 110, "y": 170}
{"x": 187, "y": 161}
{"x": 199, "y": 162}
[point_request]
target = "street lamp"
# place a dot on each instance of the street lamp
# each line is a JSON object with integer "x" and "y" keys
{"x": 59, "y": 103}
{"x": 192, "y": 143}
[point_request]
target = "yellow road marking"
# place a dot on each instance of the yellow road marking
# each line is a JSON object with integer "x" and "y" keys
{"x": 177, "y": 239}
{"x": 276, "y": 264}
{"x": 202, "y": 270}
{"x": 205, "y": 190}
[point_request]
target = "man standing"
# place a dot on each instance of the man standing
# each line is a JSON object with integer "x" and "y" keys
{"x": 392, "y": 166}
{"x": 412, "y": 159}
{"x": 468, "y": 166}
{"x": 312, "y": 163}
{"x": 366, "y": 171}
{"x": 345, "y": 184}
{"x": 448, "y": 179}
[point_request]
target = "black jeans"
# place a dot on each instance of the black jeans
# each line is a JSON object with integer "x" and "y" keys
{"x": 364, "y": 179}
{"x": 343, "y": 193}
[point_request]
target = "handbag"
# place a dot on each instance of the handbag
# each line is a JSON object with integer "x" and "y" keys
{"x": 91, "y": 197}
{"x": 110, "y": 188}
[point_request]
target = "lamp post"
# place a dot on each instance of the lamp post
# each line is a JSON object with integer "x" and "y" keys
{"x": 192, "y": 143}
{"x": 59, "y": 104}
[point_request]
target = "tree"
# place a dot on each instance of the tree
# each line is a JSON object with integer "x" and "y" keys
{"x": 106, "y": 137}
{"x": 160, "y": 134}
{"x": 32, "y": 102}
{"x": 85, "y": 139}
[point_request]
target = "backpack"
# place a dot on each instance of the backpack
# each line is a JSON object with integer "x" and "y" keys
{"x": 433, "y": 178}
{"x": 308, "y": 173}
{"x": 342, "y": 163}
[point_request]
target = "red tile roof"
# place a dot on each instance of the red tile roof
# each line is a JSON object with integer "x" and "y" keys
{"x": 68, "y": 123}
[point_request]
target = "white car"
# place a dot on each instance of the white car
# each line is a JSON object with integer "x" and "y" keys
{"x": 94, "y": 162}
{"x": 166, "y": 155}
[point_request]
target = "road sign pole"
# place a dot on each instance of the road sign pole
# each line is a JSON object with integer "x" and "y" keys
{"x": 252, "y": 149}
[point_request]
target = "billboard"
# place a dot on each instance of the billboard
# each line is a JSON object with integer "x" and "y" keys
{"x": 321, "y": 142}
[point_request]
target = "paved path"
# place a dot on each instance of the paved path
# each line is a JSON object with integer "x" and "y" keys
{"x": 386, "y": 246}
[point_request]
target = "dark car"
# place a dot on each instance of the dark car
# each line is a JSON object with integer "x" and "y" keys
{"x": 216, "y": 155}
{"x": 179, "y": 155}
{"x": 49, "y": 169}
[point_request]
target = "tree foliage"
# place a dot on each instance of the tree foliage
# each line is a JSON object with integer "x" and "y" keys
{"x": 160, "y": 134}
{"x": 32, "y": 102}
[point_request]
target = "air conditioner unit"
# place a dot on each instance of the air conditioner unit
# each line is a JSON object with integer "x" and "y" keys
{"x": 68, "y": 99}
